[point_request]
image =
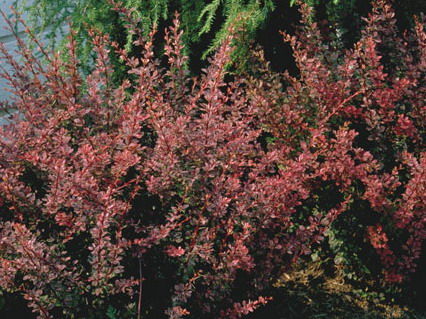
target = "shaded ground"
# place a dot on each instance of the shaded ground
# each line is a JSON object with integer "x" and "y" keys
{"x": 311, "y": 293}
{"x": 304, "y": 294}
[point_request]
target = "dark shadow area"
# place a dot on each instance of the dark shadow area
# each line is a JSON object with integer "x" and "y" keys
{"x": 15, "y": 307}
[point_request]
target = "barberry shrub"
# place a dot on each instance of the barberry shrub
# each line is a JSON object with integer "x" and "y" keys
{"x": 212, "y": 186}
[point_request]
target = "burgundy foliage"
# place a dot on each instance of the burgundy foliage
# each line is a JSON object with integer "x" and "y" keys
{"x": 234, "y": 162}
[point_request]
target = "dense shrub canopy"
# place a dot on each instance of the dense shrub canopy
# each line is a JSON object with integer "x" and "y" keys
{"x": 214, "y": 185}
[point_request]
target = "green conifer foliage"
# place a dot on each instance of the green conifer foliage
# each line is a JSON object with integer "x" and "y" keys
{"x": 202, "y": 20}
{"x": 205, "y": 22}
